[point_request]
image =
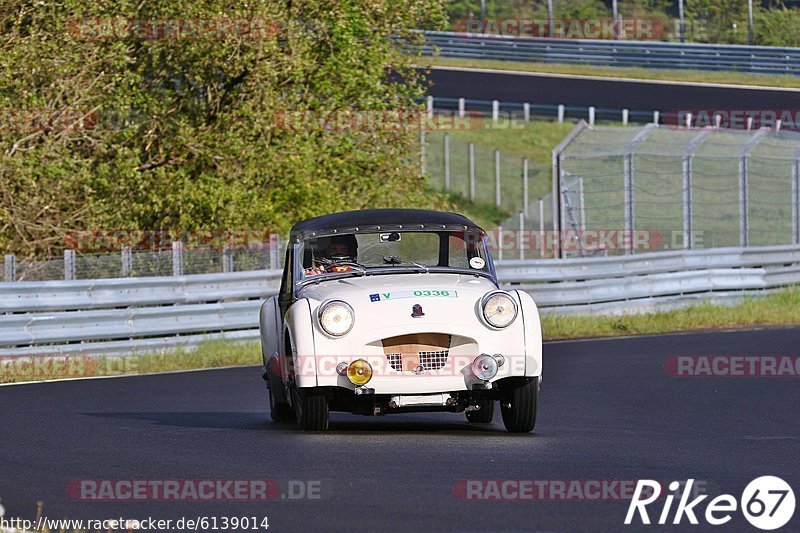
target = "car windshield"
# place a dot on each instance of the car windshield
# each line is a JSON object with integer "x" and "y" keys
{"x": 393, "y": 251}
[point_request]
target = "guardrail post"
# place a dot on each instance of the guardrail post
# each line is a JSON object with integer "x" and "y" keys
{"x": 472, "y": 172}
{"x": 446, "y": 161}
{"x": 10, "y": 264}
{"x": 526, "y": 112}
{"x": 227, "y": 260}
{"x": 495, "y": 111}
{"x": 126, "y": 257}
{"x": 497, "y": 198}
{"x": 591, "y": 115}
{"x": 561, "y": 112}
{"x": 688, "y": 120}
{"x": 795, "y": 201}
{"x": 625, "y": 114}
{"x": 461, "y": 108}
{"x": 430, "y": 106}
{"x": 525, "y": 185}
{"x": 656, "y": 117}
{"x": 69, "y": 264}
{"x": 177, "y": 258}
{"x": 274, "y": 251}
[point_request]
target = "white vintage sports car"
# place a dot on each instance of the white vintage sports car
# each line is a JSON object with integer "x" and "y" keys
{"x": 398, "y": 310}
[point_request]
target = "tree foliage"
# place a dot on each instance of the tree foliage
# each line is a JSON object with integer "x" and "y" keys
{"x": 181, "y": 133}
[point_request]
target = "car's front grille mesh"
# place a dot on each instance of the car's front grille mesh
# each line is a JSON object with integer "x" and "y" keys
{"x": 427, "y": 360}
{"x": 417, "y": 351}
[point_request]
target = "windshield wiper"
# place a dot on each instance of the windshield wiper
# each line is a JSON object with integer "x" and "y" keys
{"x": 396, "y": 260}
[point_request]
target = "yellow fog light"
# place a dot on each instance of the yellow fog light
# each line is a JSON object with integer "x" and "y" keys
{"x": 359, "y": 372}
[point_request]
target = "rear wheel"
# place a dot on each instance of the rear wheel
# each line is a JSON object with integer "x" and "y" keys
{"x": 483, "y": 415}
{"x": 519, "y": 404}
{"x": 311, "y": 408}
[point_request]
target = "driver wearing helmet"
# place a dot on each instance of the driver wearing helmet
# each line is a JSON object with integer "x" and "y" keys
{"x": 339, "y": 249}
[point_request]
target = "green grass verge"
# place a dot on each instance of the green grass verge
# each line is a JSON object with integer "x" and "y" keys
{"x": 778, "y": 308}
{"x": 211, "y": 354}
{"x": 734, "y": 78}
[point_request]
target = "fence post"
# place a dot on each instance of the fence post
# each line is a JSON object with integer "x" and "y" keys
{"x": 177, "y": 258}
{"x": 581, "y": 206}
{"x": 447, "y": 162}
{"x": 461, "y": 108}
{"x": 542, "y": 244}
{"x": 69, "y": 264}
{"x": 744, "y": 208}
{"x": 422, "y": 152}
{"x": 525, "y": 185}
{"x": 126, "y": 261}
{"x": 10, "y": 264}
{"x": 656, "y": 116}
{"x": 495, "y": 111}
{"x": 591, "y": 115}
{"x": 520, "y": 240}
{"x": 561, "y": 112}
{"x": 625, "y": 114}
{"x": 274, "y": 252}
{"x": 795, "y": 201}
{"x": 628, "y": 200}
{"x": 430, "y": 106}
{"x": 688, "y": 120}
{"x": 472, "y": 172}
{"x": 687, "y": 201}
{"x": 497, "y": 199}
{"x": 526, "y": 112}
{"x": 227, "y": 260}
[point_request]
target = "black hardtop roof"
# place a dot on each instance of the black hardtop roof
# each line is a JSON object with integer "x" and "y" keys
{"x": 370, "y": 219}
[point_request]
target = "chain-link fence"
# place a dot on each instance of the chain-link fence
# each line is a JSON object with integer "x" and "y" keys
{"x": 654, "y": 188}
{"x": 176, "y": 261}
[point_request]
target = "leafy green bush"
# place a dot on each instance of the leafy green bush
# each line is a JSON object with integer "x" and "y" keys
{"x": 182, "y": 133}
{"x": 778, "y": 27}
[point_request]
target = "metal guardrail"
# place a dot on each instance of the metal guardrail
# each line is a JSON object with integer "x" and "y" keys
{"x": 123, "y": 316}
{"x": 649, "y": 54}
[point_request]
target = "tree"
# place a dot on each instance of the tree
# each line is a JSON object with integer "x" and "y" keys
{"x": 109, "y": 126}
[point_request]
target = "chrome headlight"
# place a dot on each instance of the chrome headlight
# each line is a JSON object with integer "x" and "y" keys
{"x": 336, "y": 318}
{"x": 499, "y": 309}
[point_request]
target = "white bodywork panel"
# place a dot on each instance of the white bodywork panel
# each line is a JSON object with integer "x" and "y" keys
{"x": 382, "y": 306}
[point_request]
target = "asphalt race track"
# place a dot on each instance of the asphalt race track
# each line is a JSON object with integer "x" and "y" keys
{"x": 609, "y": 410}
{"x": 509, "y": 86}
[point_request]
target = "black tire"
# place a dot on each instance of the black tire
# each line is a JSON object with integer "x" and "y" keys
{"x": 311, "y": 409}
{"x": 280, "y": 412}
{"x": 484, "y": 415}
{"x": 519, "y": 404}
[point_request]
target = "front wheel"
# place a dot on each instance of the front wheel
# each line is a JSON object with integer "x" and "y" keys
{"x": 310, "y": 408}
{"x": 280, "y": 412}
{"x": 519, "y": 404}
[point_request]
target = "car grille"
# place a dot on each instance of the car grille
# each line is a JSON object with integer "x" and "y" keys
{"x": 427, "y": 351}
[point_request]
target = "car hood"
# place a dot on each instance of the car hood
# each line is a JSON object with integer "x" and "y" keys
{"x": 398, "y": 286}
